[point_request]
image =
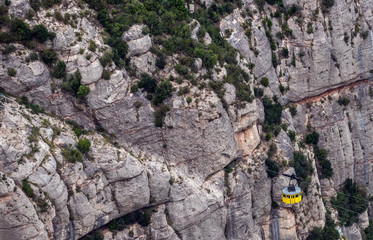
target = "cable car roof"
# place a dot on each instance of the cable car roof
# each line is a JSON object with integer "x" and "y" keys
{"x": 286, "y": 191}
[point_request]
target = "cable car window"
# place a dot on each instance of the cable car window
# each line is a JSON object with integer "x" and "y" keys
{"x": 288, "y": 196}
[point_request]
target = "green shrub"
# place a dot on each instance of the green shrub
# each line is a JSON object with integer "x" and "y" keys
{"x": 268, "y": 136}
{"x": 98, "y": 235}
{"x": 83, "y": 145}
{"x": 78, "y": 130}
{"x": 147, "y": 83}
{"x": 50, "y": 3}
{"x": 83, "y": 91}
{"x": 40, "y": 32}
{"x": 161, "y": 61}
{"x": 48, "y": 56}
{"x": 350, "y": 202}
{"x": 35, "y": 4}
{"x": 302, "y": 166}
{"x": 34, "y": 107}
{"x": 272, "y": 168}
{"x": 162, "y": 92}
{"x": 325, "y": 165}
{"x": 140, "y": 217}
{"x": 33, "y": 56}
{"x": 343, "y": 101}
{"x": 92, "y": 46}
{"x": 327, "y": 3}
{"x": 106, "y": 59}
{"x": 293, "y": 9}
{"x": 106, "y": 74}
{"x": 272, "y": 112}
{"x": 12, "y": 72}
{"x": 303, "y": 169}
{"x": 285, "y": 52}
{"x": 292, "y": 135}
{"x": 312, "y": 138}
{"x": 137, "y": 104}
{"x": 329, "y": 232}
{"x": 20, "y": 29}
{"x": 293, "y": 110}
{"x": 183, "y": 90}
{"x": 180, "y": 69}
{"x": 134, "y": 88}
{"x": 9, "y": 49}
{"x": 272, "y": 150}
{"x": 369, "y": 231}
{"x": 209, "y": 58}
{"x": 160, "y": 114}
{"x": 26, "y": 187}
{"x": 258, "y": 92}
{"x": 264, "y": 82}
{"x": 59, "y": 70}
{"x": 274, "y": 60}
{"x": 72, "y": 83}
{"x": 72, "y": 155}
{"x": 189, "y": 100}
{"x": 239, "y": 78}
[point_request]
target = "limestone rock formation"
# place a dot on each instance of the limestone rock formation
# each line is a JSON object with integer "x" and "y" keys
{"x": 202, "y": 174}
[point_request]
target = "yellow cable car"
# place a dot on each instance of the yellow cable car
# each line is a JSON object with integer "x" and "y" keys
{"x": 291, "y": 194}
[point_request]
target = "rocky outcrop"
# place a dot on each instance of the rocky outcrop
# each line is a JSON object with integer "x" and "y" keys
{"x": 139, "y": 46}
{"x": 202, "y": 175}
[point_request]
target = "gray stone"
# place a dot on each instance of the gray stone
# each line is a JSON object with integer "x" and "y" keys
{"x": 133, "y": 33}
{"x": 230, "y": 93}
{"x": 139, "y": 46}
{"x": 144, "y": 63}
{"x": 132, "y": 194}
{"x": 19, "y": 8}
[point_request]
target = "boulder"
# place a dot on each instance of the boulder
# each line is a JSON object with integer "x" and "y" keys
{"x": 139, "y": 46}
{"x": 133, "y": 33}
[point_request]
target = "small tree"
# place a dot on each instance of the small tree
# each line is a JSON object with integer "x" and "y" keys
{"x": 264, "y": 82}
{"x": 72, "y": 155}
{"x": 12, "y": 72}
{"x": 59, "y": 70}
{"x": 272, "y": 168}
{"x": 40, "y": 32}
{"x": 106, "y": 59}
{"x": 343, "y": 101}
{"x": 312, "y": 138}
{"x": 84, "y": 145}
{"x": 48, "y": 56}
{"x": 162, "y": 92}
{"x": 148, "y": 83}
{"x": 20, "y": 29}
{"x": 26, "y": 187}
{"x": 83, "y": 91}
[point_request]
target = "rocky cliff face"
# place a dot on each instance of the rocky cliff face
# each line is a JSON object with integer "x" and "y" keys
{"x": 202, "y": 175}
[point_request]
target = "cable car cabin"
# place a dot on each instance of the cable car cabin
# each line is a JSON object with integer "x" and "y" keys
{"x": 291, "y": 194}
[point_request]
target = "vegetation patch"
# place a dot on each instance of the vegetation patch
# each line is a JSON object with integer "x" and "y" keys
{"x": 328, "y": 232}
{"x": 140, "y": 217}
{"x": 160, "y": 114}
{"x": 72, "y": 85}
{"x": 273, "y": 168}
{"x": 303, "y": 169}
{"x": 273, "y": 112}
{"x": 83, "y": 145}
{"x": 26, "y": 187}
{"x": 350, "y": 202}
{"x": 72, "y": 155}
